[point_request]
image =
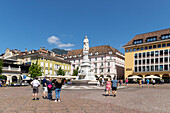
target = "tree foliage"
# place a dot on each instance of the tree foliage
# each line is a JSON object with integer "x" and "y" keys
{"x": 60, "y": 72}
{"x": 75, "y": 71}
{"x": 1, "y": 66}
{"x": 35, "y": 70}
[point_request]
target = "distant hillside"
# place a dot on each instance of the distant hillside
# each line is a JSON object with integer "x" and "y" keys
{"x": 59, "y": 51}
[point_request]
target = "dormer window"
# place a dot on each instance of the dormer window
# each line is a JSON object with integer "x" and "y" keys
{"x": 138, "y": 41}
{"x": 165, "y": 37}
{"x": 96, "y": 53}
{"x": 90, "y": 53}
{"x": 79, "y": 55}
{"x": 110, "y": 52}
{"x": 74, "y": 56}
{"x": 65, "y": 57}
{"x": 70, "y": 56}
{"x": 152, "y": 39}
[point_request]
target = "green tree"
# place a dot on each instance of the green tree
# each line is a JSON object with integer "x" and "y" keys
{"x": 60, "y": 72}
{"x": 35, "y": 70}
{"x": 1, "y": 66}
{"x": 75, "y": 71}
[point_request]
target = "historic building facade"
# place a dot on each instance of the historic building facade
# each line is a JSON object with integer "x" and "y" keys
{"x": 105, "y": 60}
{"x": 149, "y": 54}
{"x": 48, "y": 60}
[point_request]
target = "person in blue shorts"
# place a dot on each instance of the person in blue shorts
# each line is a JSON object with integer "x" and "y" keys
{"x": 114, "y": 86}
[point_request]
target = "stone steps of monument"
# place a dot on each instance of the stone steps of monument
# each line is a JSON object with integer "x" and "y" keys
{"x": 87, "y": 87}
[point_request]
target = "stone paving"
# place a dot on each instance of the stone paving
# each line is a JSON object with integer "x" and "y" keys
{"x": 129, "y": 100}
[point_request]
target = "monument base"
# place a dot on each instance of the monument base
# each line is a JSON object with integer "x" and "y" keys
{"x": 83, "y": 82}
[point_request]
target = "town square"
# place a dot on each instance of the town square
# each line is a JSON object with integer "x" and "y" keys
{"x": 84, "y": 56}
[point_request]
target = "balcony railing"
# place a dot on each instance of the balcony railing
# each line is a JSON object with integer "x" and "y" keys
{"x": 11, "y": 69}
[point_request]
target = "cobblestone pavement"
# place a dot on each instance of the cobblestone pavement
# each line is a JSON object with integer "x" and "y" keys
{"x": 128, "y": 100}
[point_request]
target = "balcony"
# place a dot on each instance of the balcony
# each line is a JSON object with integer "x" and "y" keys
{"x": 11, "y": 69}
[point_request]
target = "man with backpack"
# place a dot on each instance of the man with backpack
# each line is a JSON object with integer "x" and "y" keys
{"x": 114, "y": 86}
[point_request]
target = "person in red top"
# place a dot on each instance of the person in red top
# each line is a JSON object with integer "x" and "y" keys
{"x": 108, "y": 87}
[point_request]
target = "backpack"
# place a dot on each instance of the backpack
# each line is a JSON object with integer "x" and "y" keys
{"x": 50, "y": 86}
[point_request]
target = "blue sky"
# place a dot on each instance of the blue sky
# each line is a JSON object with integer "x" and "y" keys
{"x": 64, "y": 23}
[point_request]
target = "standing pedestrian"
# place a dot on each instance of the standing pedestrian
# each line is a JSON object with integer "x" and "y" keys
{"x": 120, "y": 82}
{"x": 153, "y": 82}
{"x": 58, "y": 85}
{"x": 102, "y": 81}
{"x": 114, "y": 86}
{"x": 108, "y": 87}
{"x": 45, "y": 87}
{"x": 126, "y": 81}
{"x": 147, "y": 82}
{"x": 98, "y": 83}
{"x": 49, "y": 87}
{"x": 35, "y": 84}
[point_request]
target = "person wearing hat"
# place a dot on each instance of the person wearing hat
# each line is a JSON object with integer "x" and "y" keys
{"x": 35, "y": 84}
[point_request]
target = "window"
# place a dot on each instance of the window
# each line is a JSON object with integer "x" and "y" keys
{"x": 163, "y": 45}
{"x": 161, "y": 60}
{"x": 144, "y": 55}
{"x": 90, "y": 53}
{"x": 95, "y": 64}
{"x": 50, "y": 65}
{"x": 165, "y": 67}
{"x": 139, "y": 55}
{"x": 74, "y": 56}
{"x": 156, "y": 53}
{"x": 95, "y": 70}
{"x": 108, "y": 70}
{"x": 147, "y": 61}
{"x": 46, "y": 64}
{"x": 161, "y": 68}
{"x": 161, "y": 52}
{"x": 152, "y": 61}
{"x": 143, "y": 68}
{"x": 46, "y": 72}
{"x": 126, "y": 50}
{"x": 152, "y": 68}
{"x": 166, "y": 52}
{"x": 139, "y": 62}
{"x": 130, "y": 50}
{"x": 134, "y": 49}
{"x": 152, "y": 39}
{"x": 147, "y": 68}
{"x": 146, "y": 47}
{"x": 101, "y": 58}
{"x": 154, "y": 46}
{"x": 156, "y": 68}
{"x": 96, "y": 59}
{"x": 136, "y": 62}
{"x": 148, "y": 54}
{"x": 89, "y": 59}
{"x": 108, "y": 63}
{"x": 166, "y": 59}
{"x": 42, "y": 64}
{"x": 96, "y": 53}
{"x": 152, "y": 53}
{"x": 50, "y": 72}
{"x": 159, "y": 45}
{"x": 139, "y": 68}
{"x": 138, "y": 41}
{"x": 135, "y": 69}
{"x": 156, "y": 60}
{"x": 110, "y": 52}
{"x": 150, "y": 47}
{"x": 141, "y": 48}
{"x": 101, "y": 64}
{"x": 137, "y": 49}
{"x": 144, "y": 61}
{"x": 165, "y": 37}
{"x": 168, "y": 44}
{"x": 136, "y": 55}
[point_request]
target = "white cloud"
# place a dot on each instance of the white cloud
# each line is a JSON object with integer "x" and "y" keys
{"x": 55, "y": 40}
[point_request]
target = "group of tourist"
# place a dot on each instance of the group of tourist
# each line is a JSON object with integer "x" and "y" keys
{"x": 48, "y": 87}
{"x": 111, "y": 84}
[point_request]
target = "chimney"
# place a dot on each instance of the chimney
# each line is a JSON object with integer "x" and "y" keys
{"x": 40, "y": 48}
{"x": 47, "y": 50}
{"x": 43, "y": 48}
{"x": 32, "y": 51}
{"x": 68, "y": 51}
{"x": 16, "y": 51}
{"x": 19, "y": 51}
{"x": 25, "y": 49}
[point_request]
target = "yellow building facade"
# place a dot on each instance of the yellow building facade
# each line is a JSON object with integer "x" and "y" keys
{"x": 149, "y": 54}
